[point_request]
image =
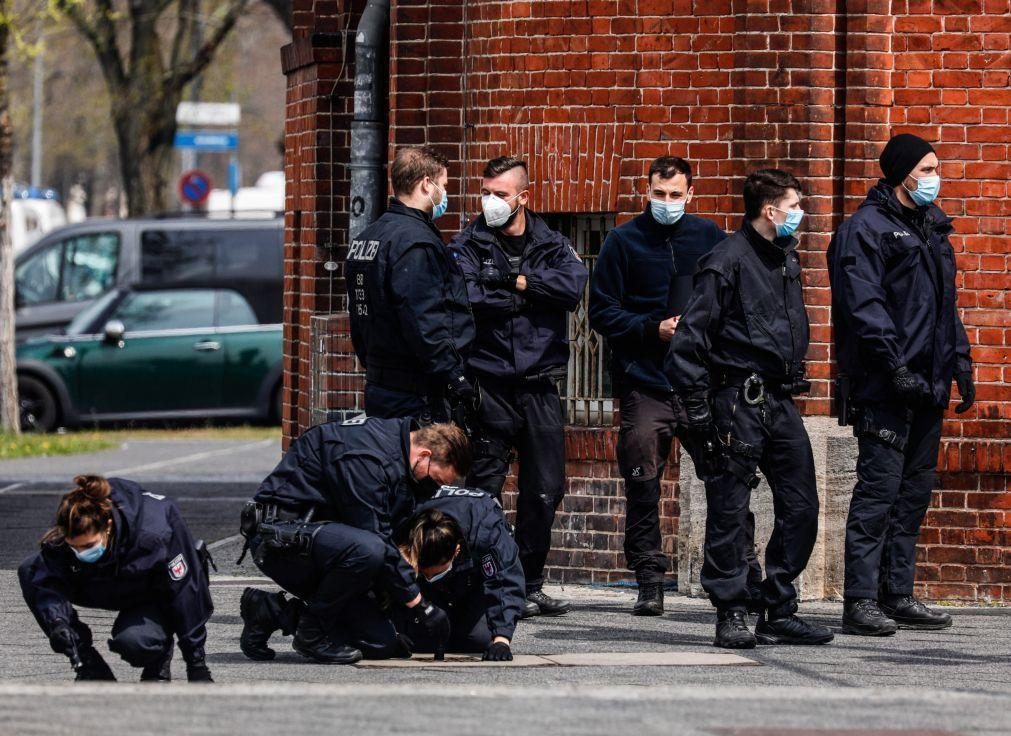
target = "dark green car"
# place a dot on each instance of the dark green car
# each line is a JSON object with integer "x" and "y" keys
{"x": 139, "y": 354}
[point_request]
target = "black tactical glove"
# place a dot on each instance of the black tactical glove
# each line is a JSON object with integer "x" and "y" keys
{"x": 460, "y": 392}
{"x": 64, "y": 640}
{"x": 434, "y": 620}
{"x": 910, "y": 387}
{"x": 489, "y": 275}
{"x": 967, "y": 390}
{"x": 697, "y": 411}
{"x": 499, "y": 651}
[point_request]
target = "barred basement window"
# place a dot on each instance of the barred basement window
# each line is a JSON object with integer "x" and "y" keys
{"x": 586, "y": 393}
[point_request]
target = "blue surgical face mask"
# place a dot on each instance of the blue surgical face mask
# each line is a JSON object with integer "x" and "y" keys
{"x": 438, "y": 210}
{"x": 927, "y": 189}
{"x": 91, "y": 554}
{"x": 788, "y": 227}
{"x": 439, "y": 576}
{"x": 667, "y": 213}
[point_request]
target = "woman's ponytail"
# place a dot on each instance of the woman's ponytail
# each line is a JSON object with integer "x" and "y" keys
{"x": 432, "y": 539}
{"x": 85, "y": 510}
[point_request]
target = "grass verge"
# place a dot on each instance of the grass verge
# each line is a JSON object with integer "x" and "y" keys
{"x": 44, "y": 445}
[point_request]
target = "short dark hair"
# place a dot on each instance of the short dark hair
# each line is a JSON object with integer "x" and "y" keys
{"x": 668, "y": 167}
{"x": 411, "y": 164}
{"x": 502, "y": 164}
{"x": 766, "y": 186}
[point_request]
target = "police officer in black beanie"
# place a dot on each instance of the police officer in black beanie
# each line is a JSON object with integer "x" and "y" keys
{"x": 899, "y": 342}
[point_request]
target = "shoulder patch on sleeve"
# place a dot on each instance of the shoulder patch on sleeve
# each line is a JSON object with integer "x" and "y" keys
{"x": 177, "y": 568}
{"x": 489, "y": 565}
{"x": 155, "y": 496}
{"x": 354, "y": 421}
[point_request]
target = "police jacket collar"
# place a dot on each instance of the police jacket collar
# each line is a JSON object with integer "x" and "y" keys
{"x": 399, "y": 208}
{"x": 928, "y": 217}
{"x": 537, "y": 232}
{"x": 776, "y": 250}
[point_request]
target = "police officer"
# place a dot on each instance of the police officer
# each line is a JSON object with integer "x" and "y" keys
{"x": 523, "y": 279}
{"x": 468, "y": 564}
{"x": 407, "y": 300}
{"x": 321, "y": 526}
{"x": 899, "y": 342}
{"x": 641, "y": 281}
{"x": 736, "y": 360}
{"x": 116, "y": 546}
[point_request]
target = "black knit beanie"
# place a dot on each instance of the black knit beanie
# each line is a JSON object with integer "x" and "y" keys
{"x": 901, "y": 155}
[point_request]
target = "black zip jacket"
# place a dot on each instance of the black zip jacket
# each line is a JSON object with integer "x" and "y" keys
{"x": 355, "y": 473}
{"x": 152, "y": 560}
{"x": 892, "y": 272}
{"x": 520, "y": 334}
{"x": 637, "y": 283}
{"x": 746, "y": 315}
{"x": 407, "y": 300}
{"x": 490, "y": 563}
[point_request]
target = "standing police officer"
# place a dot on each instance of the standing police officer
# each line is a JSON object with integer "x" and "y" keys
{"x": 899, "y": 342}
{"x": 736, "y": 360}
{"x": 407, "y": 300}
{"x": 523, "y": 279}
{"x": 321, "y": 526}
{"x": 640, "y": 283}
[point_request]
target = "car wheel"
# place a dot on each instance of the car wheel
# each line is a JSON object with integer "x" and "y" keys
{"x": 37, "y": 405}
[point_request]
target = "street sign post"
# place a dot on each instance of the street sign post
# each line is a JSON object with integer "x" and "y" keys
{"x": 194, "y": 187}
{"x": 207, "y": 140}
{"x": 208, "y": 113}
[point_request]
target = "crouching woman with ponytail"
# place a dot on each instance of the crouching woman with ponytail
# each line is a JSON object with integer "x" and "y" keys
{"x": 118, "y": 547}
{"x": 467, "y": 564}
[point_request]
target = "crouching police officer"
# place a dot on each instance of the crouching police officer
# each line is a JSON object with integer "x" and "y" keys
{"x": 410, "y": 320}
{"x": 321, "y": 526}
{"x": 899, "y": 342}
{"x": 468, "y": 564}
{"x": 737, "y": 358}
{"x": 117, "y": 547}
{"x": 640, "y": 284}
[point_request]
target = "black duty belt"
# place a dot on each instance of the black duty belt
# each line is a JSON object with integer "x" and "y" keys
{"x": 756, "y": 387}
{"x": 399, "y": 379}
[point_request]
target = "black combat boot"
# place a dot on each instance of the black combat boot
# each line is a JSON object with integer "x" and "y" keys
{"x": 910, "y": 613}
{"x": 312, "y": 642}
{"x": 650, "y": 602}
{"x": 264, "y": 613}
{"x": 93, "y": 667}
{"x": 790, "y": 630}
{"x": 732, "y": 630}
{"x": 160, "y": 670}
{"x": 546, "y": 605}
{"x": 530, "y": 609}
{"x": 861, "y": 616}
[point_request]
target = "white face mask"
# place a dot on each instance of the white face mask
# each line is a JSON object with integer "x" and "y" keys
{"x": 496, "y": 210}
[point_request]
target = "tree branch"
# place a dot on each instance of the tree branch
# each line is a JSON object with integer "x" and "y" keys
{"x": 101, "y": 35}
{"x": 188, "y": 19}
{"x": 184, "y": 72}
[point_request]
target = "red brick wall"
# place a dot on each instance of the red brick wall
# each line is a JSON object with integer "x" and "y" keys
{"x": 590, "y": 91}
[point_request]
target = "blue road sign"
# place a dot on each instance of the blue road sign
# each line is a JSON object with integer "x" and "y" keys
{"x": 194, "y": 187}
{"x": 207, "y": 140}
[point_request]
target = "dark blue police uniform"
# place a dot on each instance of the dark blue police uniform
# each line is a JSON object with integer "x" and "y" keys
{"x": 151, "y": 574}
{"x": 743, "y": 337}
{"x": 892, "y": 271}
{"x": 484, "y": 592}
{"x": 356, "y": 478}
{"x": 642, "y": 277}
{"x": 520, "y": 352}
{"x": 411, "y": 323}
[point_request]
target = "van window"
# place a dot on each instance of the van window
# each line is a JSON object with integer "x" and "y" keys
{"x": 172, "y": 256}
{"x": 71, "y": 270}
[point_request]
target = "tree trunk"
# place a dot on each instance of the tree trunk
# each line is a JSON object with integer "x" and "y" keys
{"x": 10, "y": 420}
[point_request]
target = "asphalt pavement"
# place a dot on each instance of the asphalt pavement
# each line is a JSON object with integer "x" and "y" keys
{"x": 956, "y": 681}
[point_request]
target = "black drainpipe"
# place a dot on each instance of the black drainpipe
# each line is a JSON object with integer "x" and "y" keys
{"x": 368, "y": 126}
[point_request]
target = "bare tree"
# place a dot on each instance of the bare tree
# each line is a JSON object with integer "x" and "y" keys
{"x": 283, "y": 10}
{"x": 9, "y": 414}
{"x": 146, "y": 82}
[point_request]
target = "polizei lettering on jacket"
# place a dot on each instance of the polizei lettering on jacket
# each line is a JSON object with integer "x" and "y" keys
{"x": 363, "y": 250}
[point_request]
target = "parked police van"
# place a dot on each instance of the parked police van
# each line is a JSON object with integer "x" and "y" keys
{"x": 69, "y": 268}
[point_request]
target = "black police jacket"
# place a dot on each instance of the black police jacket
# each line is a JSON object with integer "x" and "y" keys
{"x": 637, "y": 283}
{"x": 489, "y": 563}
{"x": 356, "y": 473}
{"x": 520, "y": 334}
{"x": 746, "y": 315}
{"x": 892, "y": 272}
{"x": 152, "y": 560}
{"x": 407, "y": 300}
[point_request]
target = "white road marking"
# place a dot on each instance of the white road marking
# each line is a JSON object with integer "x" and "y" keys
{"x": 11, "y": 487}
{"x": 188, "y": 458}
